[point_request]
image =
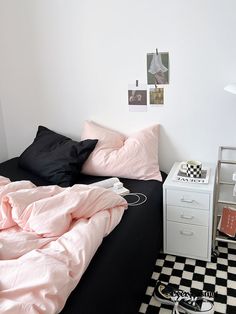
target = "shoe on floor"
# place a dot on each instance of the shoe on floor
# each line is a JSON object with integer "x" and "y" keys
{"x": 168, "y": 294}
{"x": 196, "y": 305}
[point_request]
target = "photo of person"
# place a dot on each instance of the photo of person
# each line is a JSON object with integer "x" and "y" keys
{"x": 137, "y": 97}
{"x": 156, "y": 96}
{"x": 158, "y": 68}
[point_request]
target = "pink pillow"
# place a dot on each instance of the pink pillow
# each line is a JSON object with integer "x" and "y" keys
{"x": 134, "y": 157}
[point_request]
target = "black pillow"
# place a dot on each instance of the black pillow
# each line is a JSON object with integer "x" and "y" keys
{"x": 55, "y": 157}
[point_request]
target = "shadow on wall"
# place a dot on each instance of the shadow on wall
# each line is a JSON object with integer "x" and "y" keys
{"x": 168, "y": 151}
{"x": 3, "y": 142}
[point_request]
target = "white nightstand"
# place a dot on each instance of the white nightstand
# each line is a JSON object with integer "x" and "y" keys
{"x": 188, "y": 216}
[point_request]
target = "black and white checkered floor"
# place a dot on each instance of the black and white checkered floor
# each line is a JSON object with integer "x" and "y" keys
{"x": 218, "y": 276}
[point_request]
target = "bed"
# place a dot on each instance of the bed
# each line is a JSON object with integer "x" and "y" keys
{"x": 118, "y": 274}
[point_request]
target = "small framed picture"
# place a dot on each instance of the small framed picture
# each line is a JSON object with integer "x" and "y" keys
{"x": 158, "y": 68}
{"x": 137, "y": 98}
{"x": 156, "y": 96}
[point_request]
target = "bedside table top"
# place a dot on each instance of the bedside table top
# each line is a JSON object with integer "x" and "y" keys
{"x": 169, "y": 182}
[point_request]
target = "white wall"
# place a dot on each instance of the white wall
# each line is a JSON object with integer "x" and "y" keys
{"x": 62, "y": 62}
{"x": 3, "y": 143}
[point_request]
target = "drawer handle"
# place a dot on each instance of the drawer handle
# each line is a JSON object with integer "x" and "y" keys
{"x": 186, "y": 200}
{"x": 186, "y": 233}
{"x": 186, "y": 217}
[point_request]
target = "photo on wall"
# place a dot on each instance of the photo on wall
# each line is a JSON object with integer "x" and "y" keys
{"x": 157, "y": 68}
{"x": 156, "y": 96}
{"x": 137, "y": 98}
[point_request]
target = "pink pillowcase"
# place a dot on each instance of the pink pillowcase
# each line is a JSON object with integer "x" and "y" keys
{"x": 134, "y": 157}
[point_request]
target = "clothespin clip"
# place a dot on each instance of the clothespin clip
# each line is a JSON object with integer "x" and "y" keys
{"x": 136, "y": 83}
{"x": 156, "y": 51}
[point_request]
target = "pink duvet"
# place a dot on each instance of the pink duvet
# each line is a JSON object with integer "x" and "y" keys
{"x": 48, "y": 236}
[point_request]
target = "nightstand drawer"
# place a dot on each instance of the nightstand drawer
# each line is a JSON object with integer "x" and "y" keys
{"x": 187, "y": 215}
{"x": 187, "y": 240}
{"x": 188, "y": 199}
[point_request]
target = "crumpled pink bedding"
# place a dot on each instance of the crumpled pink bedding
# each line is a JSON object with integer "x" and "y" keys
{"x": 48, "y": 235}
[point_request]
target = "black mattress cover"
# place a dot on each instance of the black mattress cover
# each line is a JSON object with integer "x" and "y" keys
{"x": 116, "y": 279}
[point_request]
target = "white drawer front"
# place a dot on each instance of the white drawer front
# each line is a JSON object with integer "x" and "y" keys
{"x": 188, "y": 199}
{"x": 187, "y": 240}
{"x": 187, "y": 215}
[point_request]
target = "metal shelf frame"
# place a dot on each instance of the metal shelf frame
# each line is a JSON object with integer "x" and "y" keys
{"x": 223, "y": 195}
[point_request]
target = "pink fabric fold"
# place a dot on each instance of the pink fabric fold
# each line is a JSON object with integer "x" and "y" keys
{"x": 48, "y": 236}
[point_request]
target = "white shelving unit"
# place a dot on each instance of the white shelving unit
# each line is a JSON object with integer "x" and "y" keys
{"x": 224, "y": 189}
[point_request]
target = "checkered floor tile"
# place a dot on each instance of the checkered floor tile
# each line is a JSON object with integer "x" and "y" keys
{"x": 194, "y": 275}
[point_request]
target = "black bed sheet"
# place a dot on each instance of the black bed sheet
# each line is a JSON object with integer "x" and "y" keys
{"x": 116, "y": 279}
